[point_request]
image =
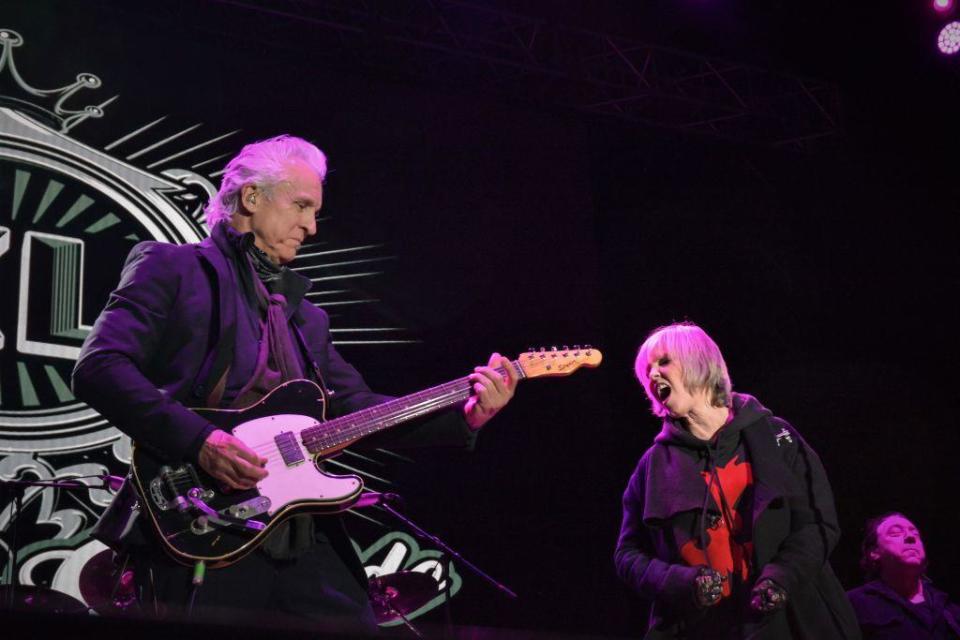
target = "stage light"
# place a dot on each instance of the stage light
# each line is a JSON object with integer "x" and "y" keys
{"x": 949, "y": 38}
{"x": 943, "y": 5}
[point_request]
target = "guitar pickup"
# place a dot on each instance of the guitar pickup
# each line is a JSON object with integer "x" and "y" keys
{"x": 289, "y": 448}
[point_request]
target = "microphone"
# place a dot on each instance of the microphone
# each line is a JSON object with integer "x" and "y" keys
{"x": 393, "y": 499}
{"x": 111, "y": 482}
{"x": 373, "y": 498}
{"x": 368, "y": 499}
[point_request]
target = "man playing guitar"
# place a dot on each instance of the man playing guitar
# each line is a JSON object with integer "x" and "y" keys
{"x": 221, "y": 324}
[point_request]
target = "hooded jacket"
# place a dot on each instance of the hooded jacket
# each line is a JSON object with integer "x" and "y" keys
{"x": 789, "y": 519}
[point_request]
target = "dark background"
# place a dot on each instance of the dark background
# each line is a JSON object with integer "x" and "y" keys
{"x": 828, "y": 277}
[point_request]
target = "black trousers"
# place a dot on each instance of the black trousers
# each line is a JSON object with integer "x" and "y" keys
{"x": 315, "y": 590}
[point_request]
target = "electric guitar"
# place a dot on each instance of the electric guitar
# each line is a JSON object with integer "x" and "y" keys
{"x": 197, "y": 521}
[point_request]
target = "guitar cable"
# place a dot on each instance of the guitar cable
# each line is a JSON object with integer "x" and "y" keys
{"x": 199, "y": 571}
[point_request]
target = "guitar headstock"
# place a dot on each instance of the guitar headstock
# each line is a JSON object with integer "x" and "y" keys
{"x": 558, "y": 362}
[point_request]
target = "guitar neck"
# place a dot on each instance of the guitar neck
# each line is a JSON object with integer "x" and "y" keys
{"x": 349, "y": 428}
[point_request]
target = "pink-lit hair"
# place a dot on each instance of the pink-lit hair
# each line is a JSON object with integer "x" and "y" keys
{"x": 699, "y": 358}
{"x": 261, "y": 163}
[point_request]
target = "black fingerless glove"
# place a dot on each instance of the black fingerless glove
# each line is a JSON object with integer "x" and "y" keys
{"x": 767, "y": 596}
{"x": 708, "y": 587}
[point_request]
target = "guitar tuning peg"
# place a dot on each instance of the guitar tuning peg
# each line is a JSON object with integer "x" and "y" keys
{"x": 576, "y": 347}
{"x": 553, "y": 348}
{"x": 543, "y": 348}
{"x": 566, "y": 348}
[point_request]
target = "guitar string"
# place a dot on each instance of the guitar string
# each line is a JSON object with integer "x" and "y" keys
{"x": 351, "y": 432}
{"x": 377, "y": 412}
{"x": 351, "y": 429}
{"x": 356, "y": 425}
{"x": 338, "y": 427}
{"x": 373, "y": 419}
{"x": 320, "y": 441}
{"x": 354, "y": 431}
{"x": 378, "y": 417}
{"x": 365, "y": 422}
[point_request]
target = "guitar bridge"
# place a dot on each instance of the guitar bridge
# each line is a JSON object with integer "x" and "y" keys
{"x": 248, "y": 508}
{"x": 209, "y": 516}
{"x": 236, "y": 515}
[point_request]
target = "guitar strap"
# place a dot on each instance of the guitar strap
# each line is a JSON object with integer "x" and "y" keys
{"x": 213, "y": 372}
{"x": 308, "y": 358}
{"x": 213, "y": 400}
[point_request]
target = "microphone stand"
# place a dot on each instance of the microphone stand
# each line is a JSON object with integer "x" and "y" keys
{"x": 446, "y": 551}
{"x": 18, "y": 488}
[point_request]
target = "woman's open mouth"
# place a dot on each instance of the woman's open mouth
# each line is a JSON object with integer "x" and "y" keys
{"x": 662, "y": 390}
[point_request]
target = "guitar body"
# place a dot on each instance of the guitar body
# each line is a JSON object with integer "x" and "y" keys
{"x": 242, "y": 519}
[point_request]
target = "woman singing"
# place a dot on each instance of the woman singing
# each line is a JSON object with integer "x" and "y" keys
{"x": 728, "y": 519}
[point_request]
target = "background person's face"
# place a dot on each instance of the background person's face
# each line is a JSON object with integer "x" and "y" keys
{"x": 899, "y": 544}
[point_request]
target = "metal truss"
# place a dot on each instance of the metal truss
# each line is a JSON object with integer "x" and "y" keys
{"x": 465, "y": 44}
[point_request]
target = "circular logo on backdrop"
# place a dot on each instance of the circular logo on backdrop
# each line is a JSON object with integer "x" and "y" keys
{"x": 66, "y": 207}
{"x": 69, "y": 215}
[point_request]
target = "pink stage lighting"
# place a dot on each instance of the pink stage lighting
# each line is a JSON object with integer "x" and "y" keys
{"x": 949, "y": 38}
{"x": 943, "y": 5}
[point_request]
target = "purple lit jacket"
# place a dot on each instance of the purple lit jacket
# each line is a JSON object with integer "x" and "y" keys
{"x": 794, "y": 529}
{"x": 886, "y": 615}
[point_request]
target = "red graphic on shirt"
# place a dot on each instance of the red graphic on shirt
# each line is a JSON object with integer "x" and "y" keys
{"x": 725, "y": 554}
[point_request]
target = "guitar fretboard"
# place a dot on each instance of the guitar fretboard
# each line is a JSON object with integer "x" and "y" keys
{"x": 346, "y": 429}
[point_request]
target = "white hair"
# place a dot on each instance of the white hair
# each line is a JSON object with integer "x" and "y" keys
{"x": 700, "y": 361}
{"x": 262, "y": 164}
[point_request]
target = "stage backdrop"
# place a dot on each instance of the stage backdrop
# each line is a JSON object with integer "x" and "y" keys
{"x": 455, "y": 223}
